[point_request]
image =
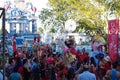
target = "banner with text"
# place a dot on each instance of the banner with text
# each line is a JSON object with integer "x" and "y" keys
{"x": 113, "y": 28}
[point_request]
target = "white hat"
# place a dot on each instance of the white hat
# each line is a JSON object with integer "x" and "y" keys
{"x": 107, "y": 58}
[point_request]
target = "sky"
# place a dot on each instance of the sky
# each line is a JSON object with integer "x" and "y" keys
{"x": 39, "y": 4}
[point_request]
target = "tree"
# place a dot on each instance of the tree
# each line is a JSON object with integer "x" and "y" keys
{"x": 90, "y": 15}
{"x": 84, "y": 12}
{"x": 40, "y": 30}
{"x": 45, "y": 17}
{"x": 110, "y": 6}
{"x": 49, "y": 20}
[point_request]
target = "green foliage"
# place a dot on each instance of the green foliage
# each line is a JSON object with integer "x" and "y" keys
{"x": 40, "y": 30}
{"x": 90, "y": 15}
{"x": 52, "y": 30}
{"x": 86, "y": 14}
{"x": 111, "y": 5}
{"x": 50, "y": 20}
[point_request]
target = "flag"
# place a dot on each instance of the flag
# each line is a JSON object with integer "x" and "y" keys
{"x": 34, "y": 9}
{"x": 14, "y": 44}
{"x": 7, "y": 5}
{"x": 38, "y": 39}
{"x": 113, "y": 27}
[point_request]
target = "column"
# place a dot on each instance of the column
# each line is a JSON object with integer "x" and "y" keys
{"x": 27, "y": 27}
{"x": 34, "y": 26}
{"x": 24, "y": 25}
{"x": 12, "y": 29}
{"x": 21, "y": 30}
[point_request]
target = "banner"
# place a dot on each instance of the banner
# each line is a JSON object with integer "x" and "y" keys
{"x": 113, "y": 27}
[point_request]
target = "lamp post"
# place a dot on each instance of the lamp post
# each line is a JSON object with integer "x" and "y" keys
{"x": 2, "y": 15}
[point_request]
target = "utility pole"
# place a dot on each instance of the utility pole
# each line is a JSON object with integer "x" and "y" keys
{"x": 2, "y": 15}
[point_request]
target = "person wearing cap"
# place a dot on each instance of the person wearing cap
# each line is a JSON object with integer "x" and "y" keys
{"x": 107, "y": 63}
{"x": 104, "y": 65}
{"x": 86, "y": 75}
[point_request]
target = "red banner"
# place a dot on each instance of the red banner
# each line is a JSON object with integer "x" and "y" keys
{"x": 113, "y": 27}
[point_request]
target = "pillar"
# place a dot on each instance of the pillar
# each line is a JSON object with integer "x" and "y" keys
{"x": 34, "y": 26}
{"x": 21, "y": 30}
{"x": 12, "y": 29}
{"x": 27, "y": 27}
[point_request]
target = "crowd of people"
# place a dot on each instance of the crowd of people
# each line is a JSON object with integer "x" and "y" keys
{"x": 44, "y": 63}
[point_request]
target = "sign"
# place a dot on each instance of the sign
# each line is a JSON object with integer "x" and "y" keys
{"x": 113, "y": 27}
{"x": 70, "y": 25}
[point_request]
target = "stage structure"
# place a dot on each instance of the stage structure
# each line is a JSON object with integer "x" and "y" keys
{"x": 22, "y": 14}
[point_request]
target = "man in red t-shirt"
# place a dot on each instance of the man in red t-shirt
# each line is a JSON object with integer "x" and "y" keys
{"x": 82, "y": 57}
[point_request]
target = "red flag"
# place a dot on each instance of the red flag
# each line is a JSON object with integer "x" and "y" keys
{"x": 38, "y": 39}
{"x": 14, "y": 44}
{"x": 113, "y": 27}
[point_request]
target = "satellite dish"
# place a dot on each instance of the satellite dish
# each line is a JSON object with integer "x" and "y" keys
{"x": 70, "y": 25}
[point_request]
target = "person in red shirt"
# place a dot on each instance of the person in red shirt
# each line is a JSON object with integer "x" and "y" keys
{"x": 79, "y": 56}
{"x": 82, "y": 57}
{"x": 107, "y": 63}
{"x": 104, "y": 66}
